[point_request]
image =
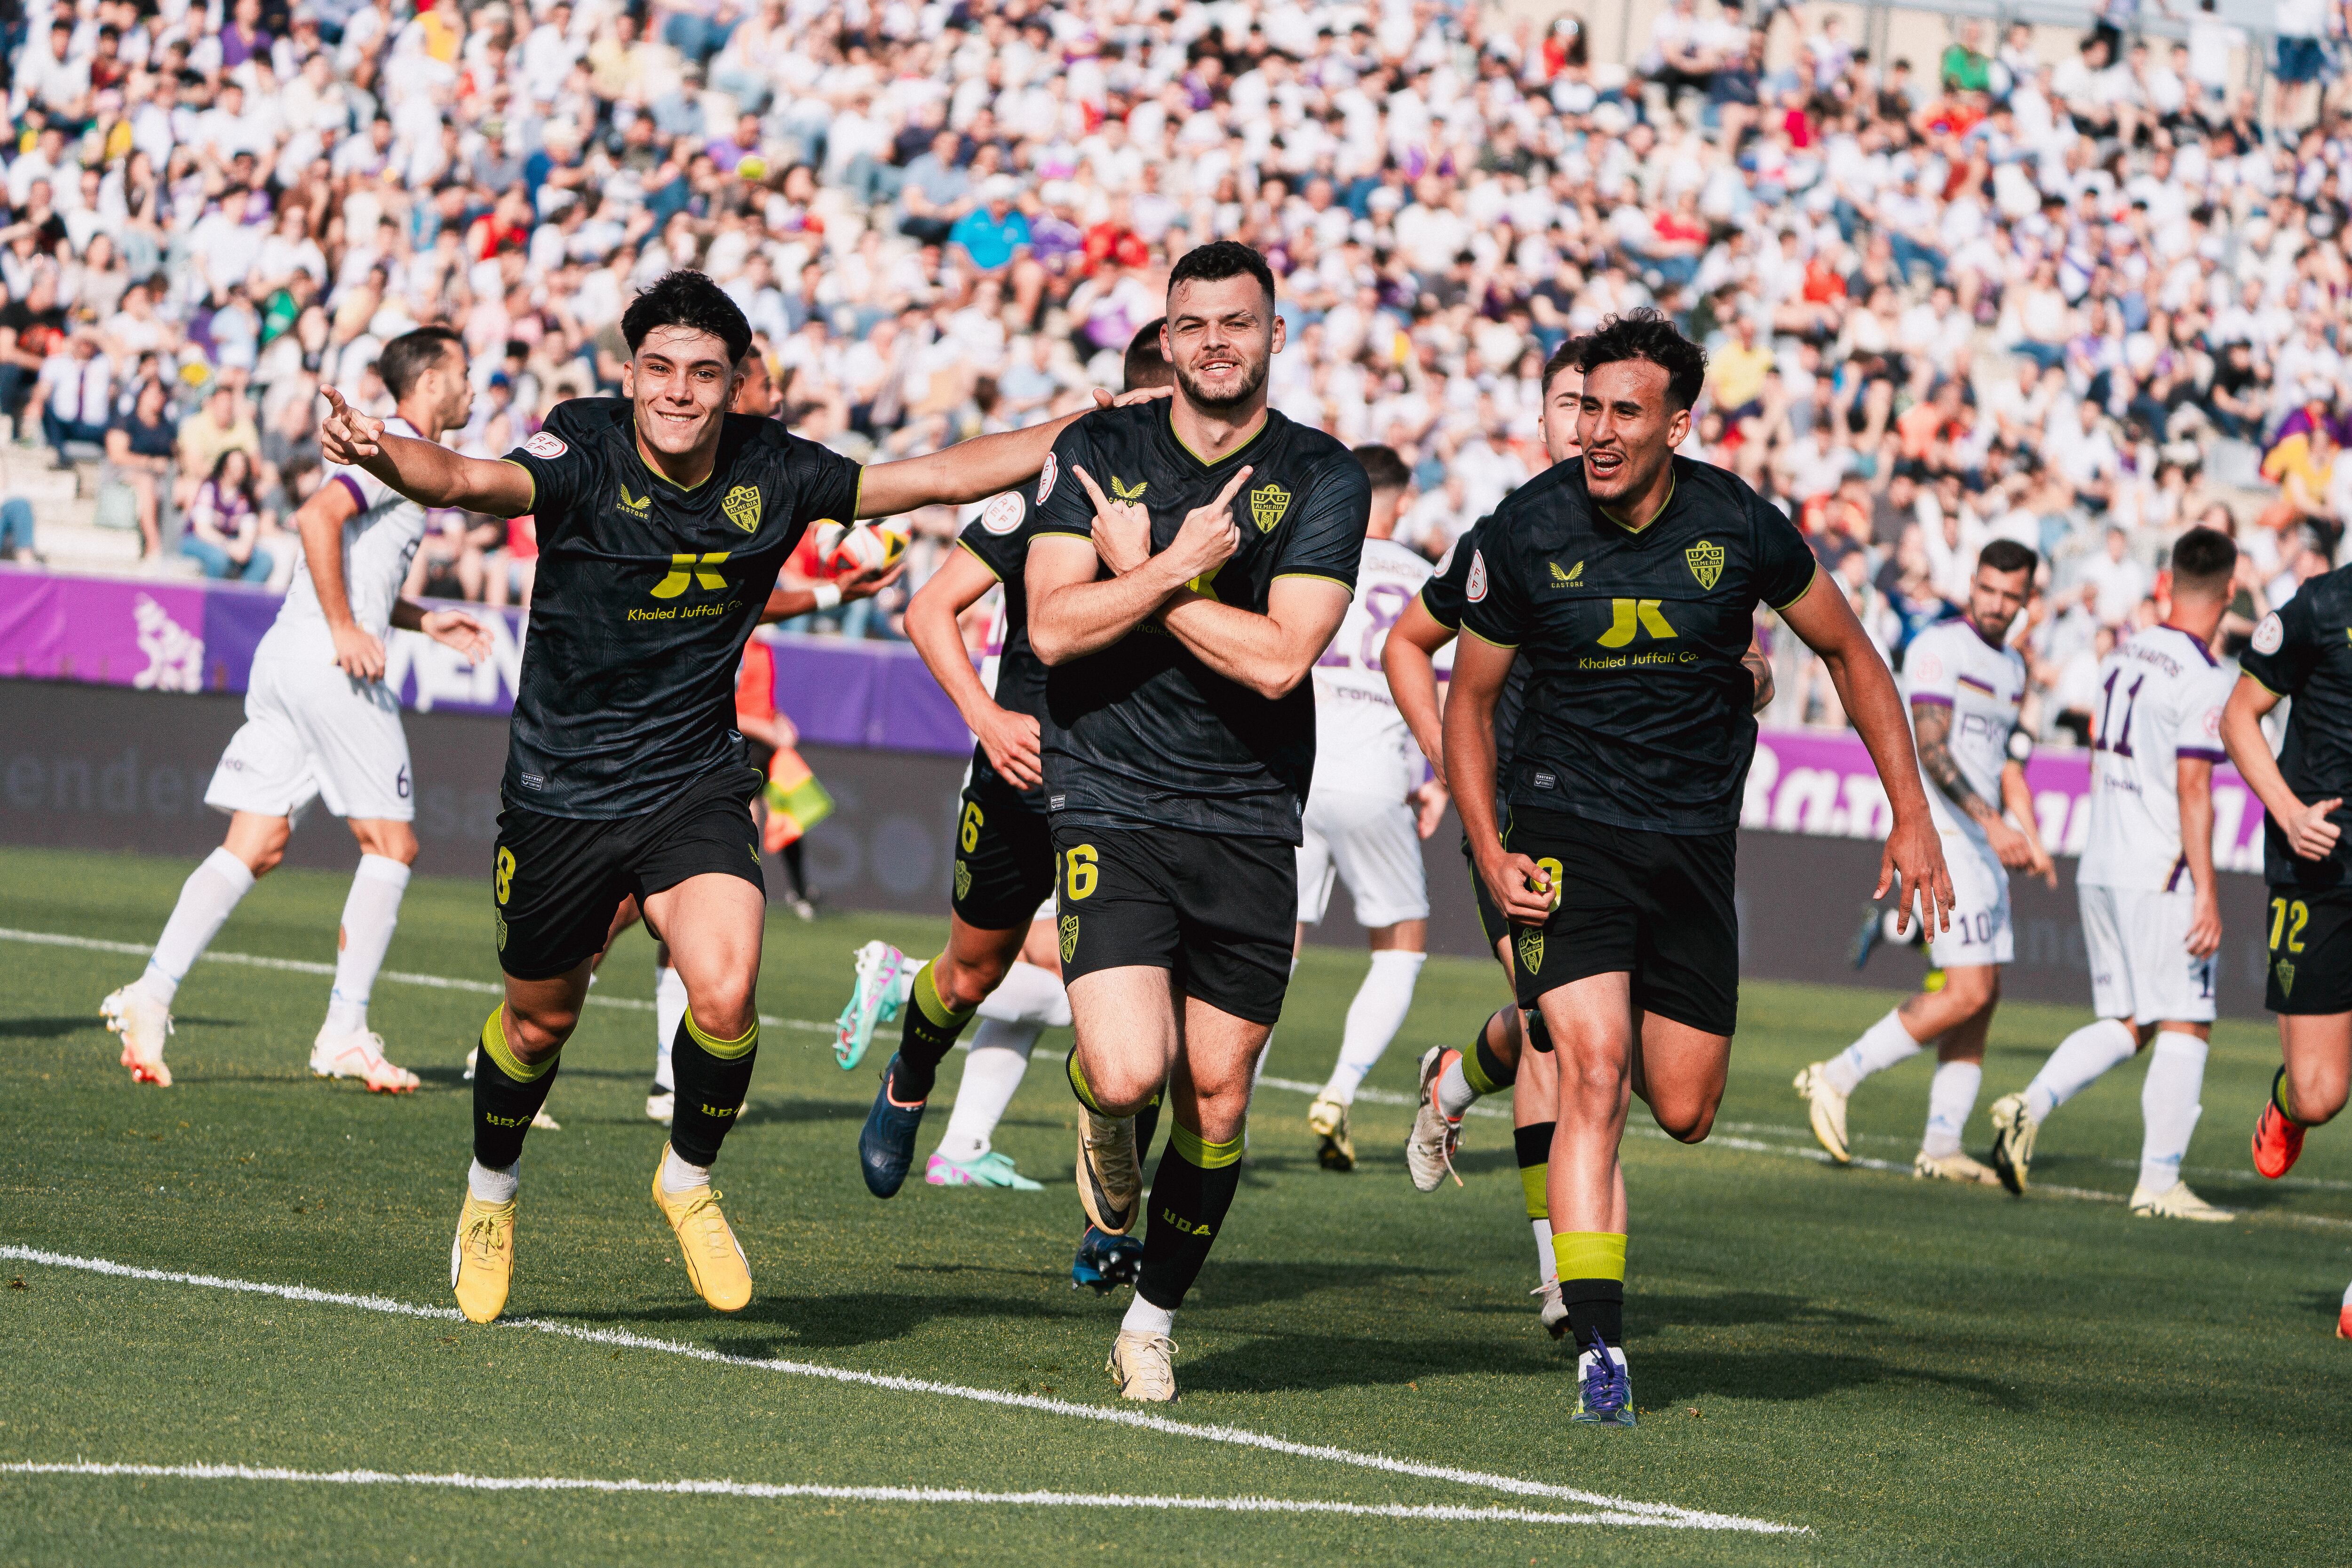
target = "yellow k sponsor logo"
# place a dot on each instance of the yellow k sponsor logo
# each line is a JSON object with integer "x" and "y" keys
{"x": 692, "y": 568}
{"x": 1632, "y": 618}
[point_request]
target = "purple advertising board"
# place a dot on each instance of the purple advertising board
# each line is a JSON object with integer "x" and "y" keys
{"x": 874, "y": 695}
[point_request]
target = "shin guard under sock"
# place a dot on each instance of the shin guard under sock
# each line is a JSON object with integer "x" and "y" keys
{"x": 1190, "y": 1191}
{"x": 506, "y": 1095}
{"x": 713, "y": 1076}
{"x": 925, "y": 1039}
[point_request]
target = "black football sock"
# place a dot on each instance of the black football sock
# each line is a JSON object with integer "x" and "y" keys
{"x": 926, "y": 1038}
{"x": 1533, "y": 1144}
{"x": 506, "y": 1095}
{"x": 1486, "y": 1071}
{"x": 1593, "y": 1283}
{"x": 1190, "y": 1191}
{"x": 1147, "y": 1122}
{"x": 713, "y": 1078}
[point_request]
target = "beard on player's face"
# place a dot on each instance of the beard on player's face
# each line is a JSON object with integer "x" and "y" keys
{"x": 1239, "y": 376}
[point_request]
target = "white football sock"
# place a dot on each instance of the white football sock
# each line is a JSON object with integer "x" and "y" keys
{"x": 2168, "y": 1105}
{"x": 677, "y": 1176}
{"x": 211, "y": 891}
{"x": 992, "y": 1073}
{"x": 1881, "y": 1045}
{"x": 371, "y": 910}
{"x": 670, "y": 1012}
{"x": 493, "y": 1187}
{"x": 1028, "y": 994}
{"x": 1547, "y": 1261}
{"x": 2079, "y": 1059}
{"x": 1455, "y": 1094}
{"x": 1373, "y": 1019}
{"x": 1142, "y": 1317}
{"x": 1950, "y": 1097}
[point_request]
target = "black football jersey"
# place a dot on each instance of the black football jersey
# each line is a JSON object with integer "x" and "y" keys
{"x": 644, "y": 596}
{"x": 2303, "y": 650}
{"x": 1637, "y": 700}
{"x": 999, "y": 540}
{"x": 1143, "y": 732}
{"x": 1445, "y": 597}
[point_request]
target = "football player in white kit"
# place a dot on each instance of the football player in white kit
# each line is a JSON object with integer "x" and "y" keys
{"x": 1965, "y": 685}
{"x": 2151, "y": 910}
{"x": 320, "y": 724}
{"x": 1368, "y": 808}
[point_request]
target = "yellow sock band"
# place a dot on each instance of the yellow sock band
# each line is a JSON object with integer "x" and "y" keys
{"x": 1078, "y": 1083}
{"x": 934, "y": 1007}
{"x": 494, "y": 1045}
{"x": 1589, "y": 1255}
{"x": 1531, "y": 1182}
{"x": 1199, "y": 1151}
{"x": 1475, "y": 1073}
{"x": 725, "y": 1050}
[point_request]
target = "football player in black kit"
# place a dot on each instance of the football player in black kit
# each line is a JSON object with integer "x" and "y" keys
{"x": 1628, "y": 580}
{"x": 1005, "y": 854}
{"x": 663, "y": 520}
{"x": 1192, "y": 561}
{"x": 2303, "y": 650}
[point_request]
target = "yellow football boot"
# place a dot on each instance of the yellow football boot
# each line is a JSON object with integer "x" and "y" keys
{"x": 481, "y": 1261}
{"x": 714, "y": 1259}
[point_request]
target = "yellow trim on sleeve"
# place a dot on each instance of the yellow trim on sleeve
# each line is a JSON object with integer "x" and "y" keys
{"x": 1490, "y": 642}
{"x": 533, "y": 507}
{"x": 858, "y": 496}
{"x": 1343, "y": 586}
{"x": 2258, "y": 680}
{"x": 976, "y": 556}
{"x": 1801, "y": 591}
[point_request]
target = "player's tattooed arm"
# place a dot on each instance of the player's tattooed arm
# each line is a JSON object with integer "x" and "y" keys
{"x": 1932, "y": 723}
{"x": 426, "y": 473}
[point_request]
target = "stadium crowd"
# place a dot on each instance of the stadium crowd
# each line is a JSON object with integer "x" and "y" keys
{"x": 1985, "y": 295}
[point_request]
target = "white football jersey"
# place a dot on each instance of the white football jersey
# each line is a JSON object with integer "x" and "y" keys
{"x": 378, "y": 541}
{"x": 1949, "y": 663}
{"x": 1362, "y": 744}
{"x": 2160, "y": 699}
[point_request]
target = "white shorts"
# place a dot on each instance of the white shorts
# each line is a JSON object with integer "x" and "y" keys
{"x": 1369, "y": 842}
{"x": 315, "y": 733}
{"x": 2140, "y": 965}
{"x": 1980, "y": 932}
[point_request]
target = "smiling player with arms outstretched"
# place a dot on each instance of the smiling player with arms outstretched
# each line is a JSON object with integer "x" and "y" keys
{"x": 663, "y": 520}
{"x": 1627, "y": 579}
{"x": 1192, "y": 561}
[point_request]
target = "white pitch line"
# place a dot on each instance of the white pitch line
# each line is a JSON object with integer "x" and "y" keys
{"x": 397, "y": 976}
{"x": 1239, "y": 1437}
{"x": 771, "y": 1491}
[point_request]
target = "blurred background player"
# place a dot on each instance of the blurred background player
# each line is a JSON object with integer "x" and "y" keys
{"x": 320, "y": 724}
{"x": 2303, "y": 650}
{"x": 1966, "y": 683}
{"x": 2151, "y": 909}
{"x": 1368, "y": 808}
{"x": 1001, "y": 905}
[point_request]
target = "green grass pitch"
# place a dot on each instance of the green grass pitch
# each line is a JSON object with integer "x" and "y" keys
{"x": 1910, "y": 1371}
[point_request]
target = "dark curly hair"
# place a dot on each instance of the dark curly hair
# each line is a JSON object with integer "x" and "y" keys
{"x": 688, "y": 300}
{"x": 1647, "y": 335}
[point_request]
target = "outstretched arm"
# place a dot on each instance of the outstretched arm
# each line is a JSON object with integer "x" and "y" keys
{"x": 1826, "y": 622}
{"x": 426, "y": 473}
{"x": 974, "y": 469}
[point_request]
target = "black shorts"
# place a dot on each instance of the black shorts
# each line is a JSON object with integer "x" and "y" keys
{"x": 1218, "y": 914}
{"x": 558, "y": 879}
{"x": 1656, "y": 906}
{"x": 1004, "y": 854}
{"x": 1492, "y": 923}
{"x": 2310, "y": 936}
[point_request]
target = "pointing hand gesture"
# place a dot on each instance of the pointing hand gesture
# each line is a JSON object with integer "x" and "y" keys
{"x": 1209, "y": 535}
{"x": 1122, "y": 532}
{"x": 347, "y": 436}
